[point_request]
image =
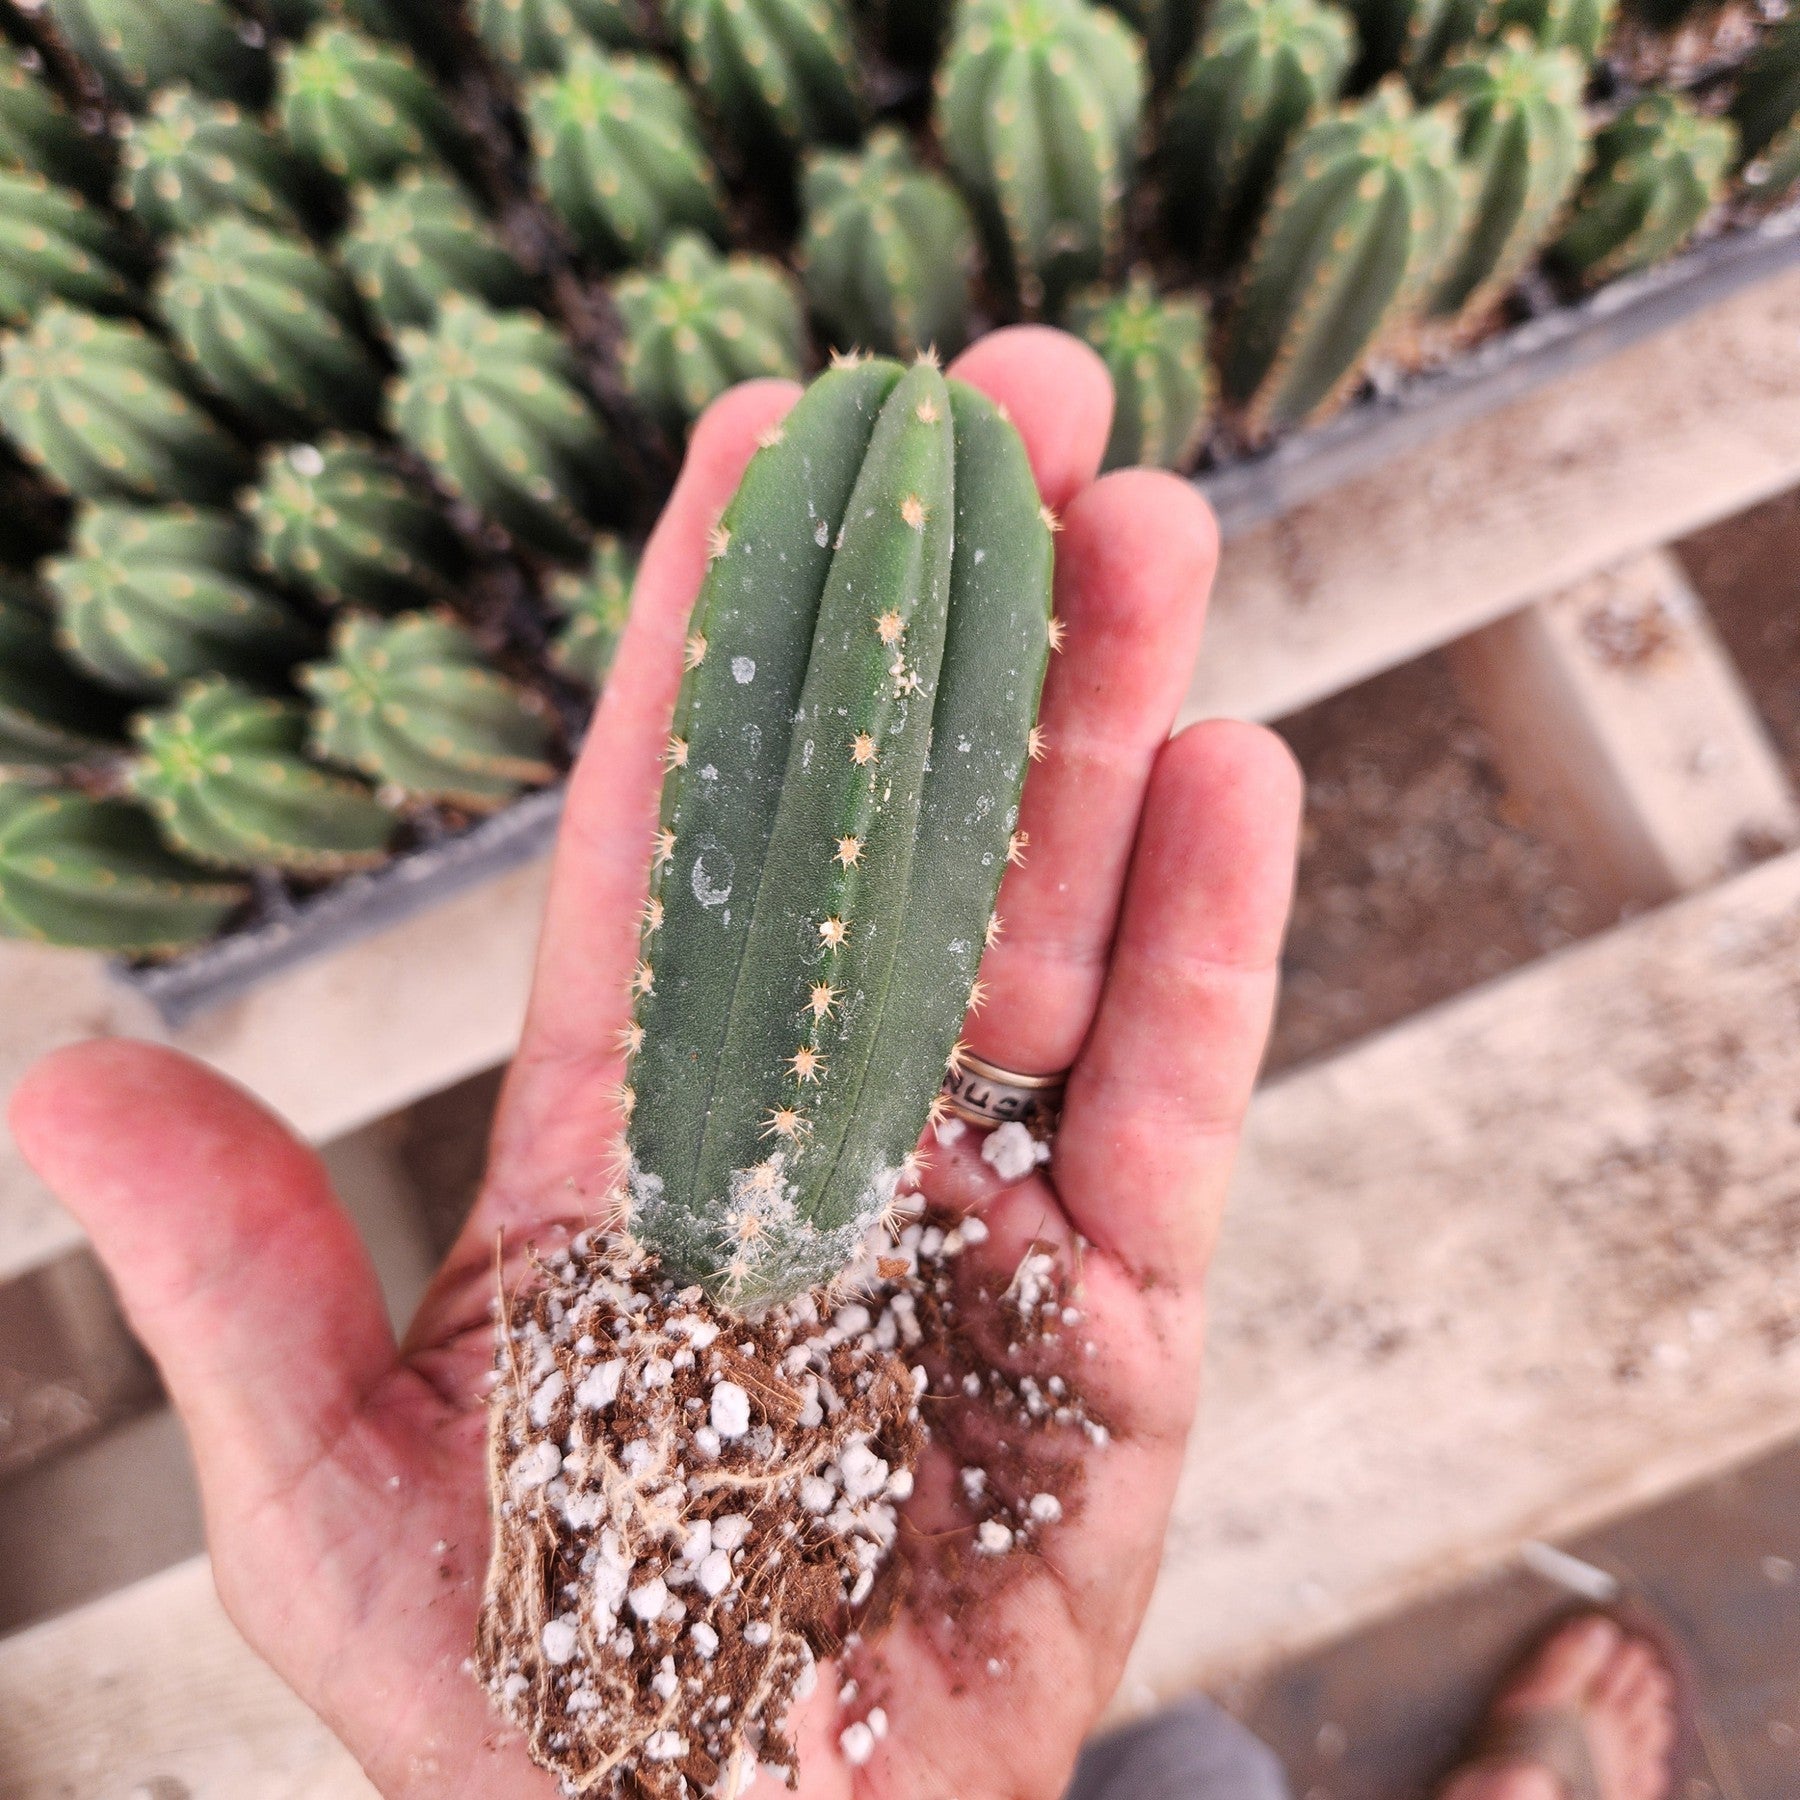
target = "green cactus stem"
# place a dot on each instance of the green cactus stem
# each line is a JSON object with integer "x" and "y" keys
{"x": 537, "y": 37}
{"x": 54, "y": 245}
{"x": 888, "y": 253}
{"x": 413, "y": 704}
{"x": 107, "y": 413}
{"x": 137, "y": 46}
{"x": 274, "y": 327}
{"x": 494, "y": 402}
{"x": 91, "y": 875}
{"x": 1264, "y": 70}
{"x": 1038, "y": 108}
{"x": 1366, "y": 209}
{"x": 841, "y": 801}
{"x": 702, "y": 322}
{"x": 1767, "y": 112}
{"x": 190, "y": 159}
{"x": 778, "y": 74}
{"x": 363, "y": 110}
{"x": 50, "y": 717}
{"x": 620, "y": 156}
{"x": 225, "y": 774}
{"x": 148, "y": 599}
{"x": 419, "y": 238}
{"x": 39, "y": 133}
{"x": 1155, "y": 350}
{"x": 1658, "y": 169}
{"x": 595, "y": 605}
{"x": 1578, "y": 25}
{"x": 337, "y": 519}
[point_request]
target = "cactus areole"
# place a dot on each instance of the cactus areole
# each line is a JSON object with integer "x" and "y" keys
{"x": 849, "y": 743}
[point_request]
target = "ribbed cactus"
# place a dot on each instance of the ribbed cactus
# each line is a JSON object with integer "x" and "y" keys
{"x": 888, "y": 253}
{"x": 109, "y": 414}
{"x": 1038, "y": 106}
{"x": 1155, "y": 350}
{"x": 148, "y": 599}
{"x": 190, "y": 159}
{"x": 54, "y": 245}
{"x": 49, "y": 715}
{"x": 1366, "y": 209}
{"x": 1578, "y": 25}
{"x": 779, "y": 74}
{"x": 138, "y": 45}
{"x": 862, "y": 678}
{"x": 39, "y": 133}
{"x": 413, "y": 704}
{"x": 274, "y": 327}
{"x": 92, "y": 875}
{"x": 363, "y": 110}
{"x": 620, "y": 156}
{"x": 702, "y": 322}
{"x": 225, "y": 774}
{"x": 337, "y": 519}
{"x": 419, "y": 238}
{"x": 1657, "y": 171}
{"x": 595, "y": 605}
{"x": 1767, "y": 111}
{"x": 1264, "y": 70}
{"x": 540, "y": 35}
{"x": 1524, "y": 134}
{"x": 494, "y": 402}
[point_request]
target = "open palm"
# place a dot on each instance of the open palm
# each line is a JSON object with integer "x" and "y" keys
{"x": 343, "y": 1475}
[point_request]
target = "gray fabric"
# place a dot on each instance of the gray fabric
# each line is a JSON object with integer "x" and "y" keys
{"x": 1191, "y": 1751}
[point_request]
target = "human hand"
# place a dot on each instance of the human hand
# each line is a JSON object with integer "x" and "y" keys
{"x": 344, "y": 1476}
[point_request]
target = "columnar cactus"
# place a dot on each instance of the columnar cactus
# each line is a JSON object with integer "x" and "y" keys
{"x": 842, "y": 792}
{"x": 1578, "y": 25}
{"x": 620, "y": 156}
{"x": 888, "y": 253}
{"x": 363, "y": 110}
{"x": 420, "y": 238}
{"x": 1524, "y": 135}
{"x": 537, "y": 36}
{"x": 225, "y": 774}
{"x": 55, "y": 246}
{"x": 779, "y": 74}
{"x": 49, "y": 716}
{"x": 136, "y": 46}
{"x": 190, "y": 159}
{"x": 337, "y": 519}
{"x": 413, "y": 704}
{"x": 1155, "y": 350}
{"x": 91, "y": 875}
{"x": 1038, "y": 107}
{"x": 273, "y": 325}
{"x": 1264, "y": 70}
{"x": 1767, "y": 111}
{"x": 494, "y": 402}
{"x": 595, "y": 605}
{"x": 702, "y": 322}
{"x": 148, "y": 599}
{"x": 1366, "y": 209}
{"x": 39, "y": 133}
{"x": 107, "y": 413}
{"x": 1657, "y": 171}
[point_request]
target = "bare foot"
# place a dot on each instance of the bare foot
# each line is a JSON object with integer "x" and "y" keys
{"x": 1625, "y": 1697}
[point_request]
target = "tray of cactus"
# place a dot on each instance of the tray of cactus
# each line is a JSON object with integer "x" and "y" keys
{"x": 349, "y": 345}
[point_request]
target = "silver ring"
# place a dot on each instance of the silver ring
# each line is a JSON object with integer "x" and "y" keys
{"x": 983, "y": 1093}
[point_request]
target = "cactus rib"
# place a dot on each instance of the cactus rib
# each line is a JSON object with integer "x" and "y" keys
{"x": 54, "y": 245}
{"x": 1155, "y": 351}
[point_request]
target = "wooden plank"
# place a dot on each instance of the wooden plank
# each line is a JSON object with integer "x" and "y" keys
{"x": 1517, "y": 1264}
{"x": 1684, "y": 429}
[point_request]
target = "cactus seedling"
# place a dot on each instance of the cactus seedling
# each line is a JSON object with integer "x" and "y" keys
{"x": 91, "y": 875}
{"x": 1657, "y": 170}
{"x": 538, "y": 36}
{"x": 1264, "y": 71}
{"x": 225, "y": 774}
{"x": 620, "y": 156}
{"x": 1038, "y": 106}
{"x": 1155, "y": 351}
{"x": 49, "y": 716}
{"x": 336, "y": 518}
{"x": 273, "y": 325}
{"x": 494, "y": 402}
{"x": 136, "y": 46}
{"x": 595, "y": 605}
{"x": 411, "y": 243}
{"x": 39, "y": 134}
{"x": 412, "y": 703}
{"x": 1366, "y": 209}
{"x": 702, "y": 322}
{"x": 146, "y": 600}
{"x": 109, "y": 414}
{"x": 1767, "y": 111}
{"x": 888, "y": 254}
{"x": 55, "y": 246}
{"x": 1578, "y": 25}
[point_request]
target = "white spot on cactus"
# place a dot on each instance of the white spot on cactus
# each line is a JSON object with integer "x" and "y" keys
{"x": 712, "y": 887}
{"x": 743, "y": 670}
{"x": 306, "y": 459}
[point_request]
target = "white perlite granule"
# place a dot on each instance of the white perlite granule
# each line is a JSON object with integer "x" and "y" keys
{"x": 730, "y": 1410}
{"x": 1012, "y": 1152}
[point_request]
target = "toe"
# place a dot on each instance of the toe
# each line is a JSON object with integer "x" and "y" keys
{"x": 1565, "y": 1669}
{"x": 1616, "y": 1686}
